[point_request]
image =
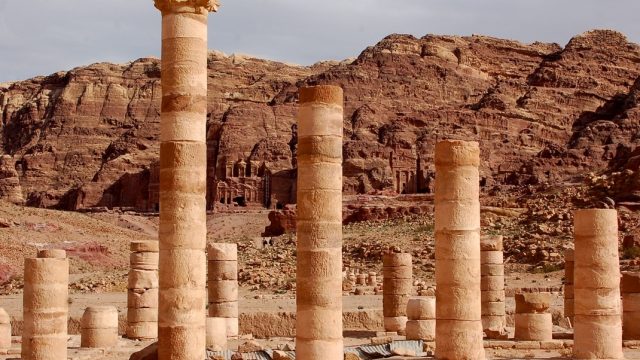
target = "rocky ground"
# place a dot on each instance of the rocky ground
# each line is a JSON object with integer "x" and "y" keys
{"x": 537, "y": 227}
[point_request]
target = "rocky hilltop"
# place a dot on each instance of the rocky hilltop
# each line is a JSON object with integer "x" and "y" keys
{"x": 541, "y": 112}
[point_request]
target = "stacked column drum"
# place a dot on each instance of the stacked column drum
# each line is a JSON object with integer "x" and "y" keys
{"x": 372, "y": 280}
{"x": 319, "y": 224}
{"x": 182, "y": 299}
{"x": 223, "y": 284}
{"x": 397, "y": 285}
{"x": 630, "y": 287}
{"x": 142, "y": 293}
{"x": 598, "y": 315}
{"x": 532, "y": 319}
{"x": 217, "y": 333}
{"x": 421, "y": 313}
{"x": 46, "y": 307}
{"x": 492, "y": 285}
{"x": 5, "y": 331}
{"x": 457, "y": 232}
{"x": 568, "y": 283}
{"x": 99, "y": 327}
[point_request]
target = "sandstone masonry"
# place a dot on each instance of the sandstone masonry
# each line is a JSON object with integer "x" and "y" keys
{"x": 223, "y": 285}
{"x": 598, "y": 315}
{"x": 319, "y": 224}
{"x": 45, "y": 307}
{"x": 142, "y": 292}
{"x": 397, "y": 285}
{"x": 183, "y": 180}
{"x": 457, "y": 228}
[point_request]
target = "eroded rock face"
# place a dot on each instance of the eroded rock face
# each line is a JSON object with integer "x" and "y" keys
{"x": 10, "y": 189}
{"x": 540, "y": 112}
{"x": 88, "y": 137}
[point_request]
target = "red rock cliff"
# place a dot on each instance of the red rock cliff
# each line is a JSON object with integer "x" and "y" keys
{"x": 89, "y": 137}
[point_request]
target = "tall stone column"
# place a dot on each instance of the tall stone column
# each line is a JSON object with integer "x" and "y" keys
{"x": 319, "y": 224}
{"x": 457, "y": 228}
{"x": 223, "y": 285}
{"x": 597, "y": 330}
{"x": 397, "y": 286}
{"x": 45, "y": 307}
{"x": 183, "y": 159}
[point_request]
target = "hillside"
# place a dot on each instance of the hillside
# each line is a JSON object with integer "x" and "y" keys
{"x": 541, "y": 112}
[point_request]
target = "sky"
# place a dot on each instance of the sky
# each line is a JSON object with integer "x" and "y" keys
{"x": 40, "y": 37}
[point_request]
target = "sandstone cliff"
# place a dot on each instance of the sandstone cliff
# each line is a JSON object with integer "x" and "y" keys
{"x": 88, "y": 137}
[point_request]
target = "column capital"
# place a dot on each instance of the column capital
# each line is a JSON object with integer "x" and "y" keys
{"x": 198, "y": 6}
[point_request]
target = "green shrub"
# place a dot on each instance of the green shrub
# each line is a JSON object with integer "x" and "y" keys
{"x": 631, "y": 253}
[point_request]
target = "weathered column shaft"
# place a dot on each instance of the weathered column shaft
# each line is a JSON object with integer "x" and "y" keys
{"x": 5, "y": 331}
{"x": 319, "y": 224}
{"x": 142, "y": 291}
{"x": 397, "y": 286}
{"x": 372, "y": 280}
{"x": 457, "y": 232}
{"x": 568, "y": 283}
{"x": 183, "y": 160}
{"x": 46, "y": 308}
{"x": 598, "y": 322}
{"x": 492, "y": 285}
{"x": 223, "y": 285}
{"x": 99, "y": 327}
{"x": 421, "y": 323}
{"x": 630, "y": 287}
{"x": 217, "y": 333}
{"x": 532, "y": 319}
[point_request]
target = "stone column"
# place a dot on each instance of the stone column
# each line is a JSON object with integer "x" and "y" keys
{"x": 5, "y": 332}
{"x": 457, "y": 232}
{"x": 597, "y": 330}
{"x": 217, "y": 333}
{"x": 372, "y": 280}
{"x": 421, "y": 313}
{"x": 492, "y": 285}
{"x": 99, "y": 327}
{"x": 223, "y": 285}
{"x": 319, "y": 224}
{"x": 532, "y": 320}
{"x": 142, "y": 292}
{"x": 568, "y": 284}
{"x": 45, "y": 308}
{"x": 397, "y": 286}
{"x": 183, "y": 179}
{"x": 630, "y": 287}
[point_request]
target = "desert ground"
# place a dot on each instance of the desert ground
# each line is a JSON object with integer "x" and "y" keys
{"x": 97, "y": 244}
